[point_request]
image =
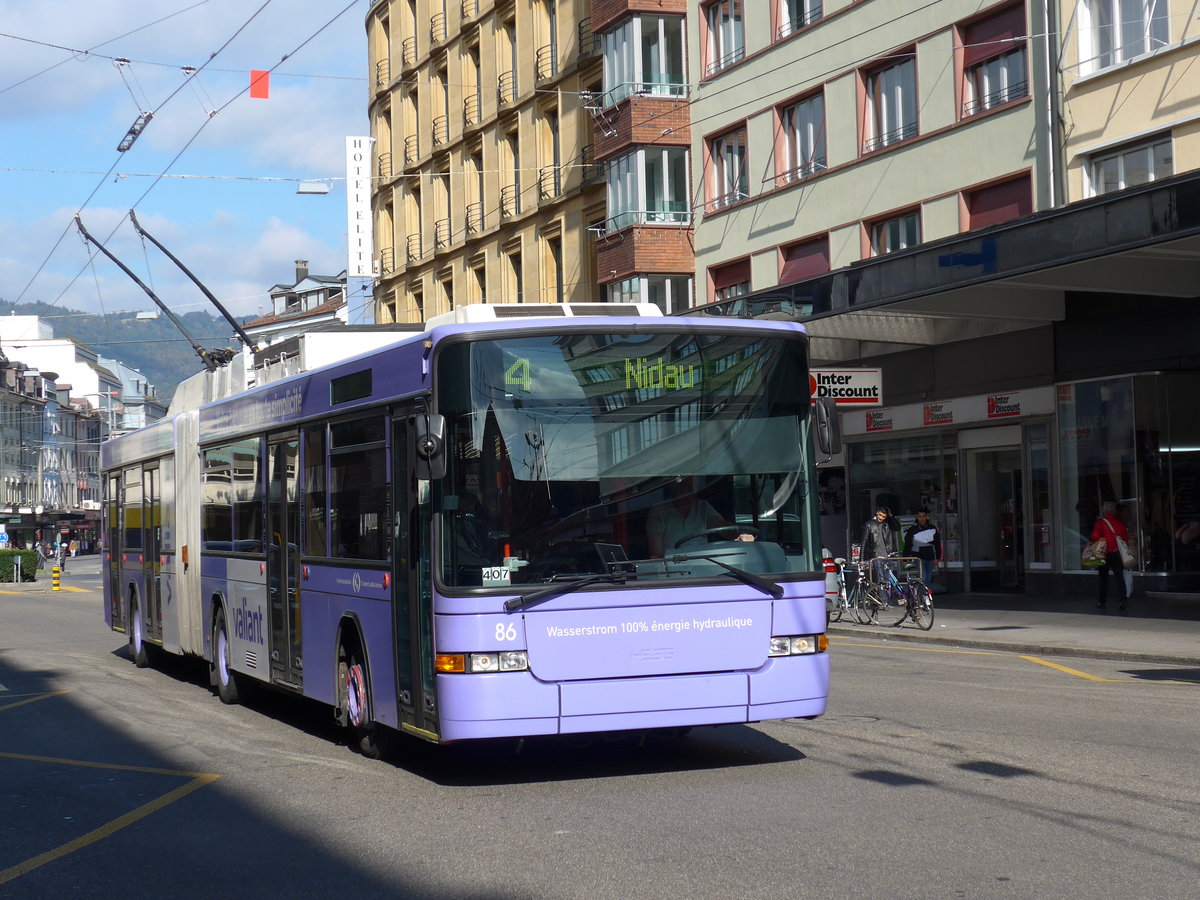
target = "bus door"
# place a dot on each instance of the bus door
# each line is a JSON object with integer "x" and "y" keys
{"x": 412, "y": 592}
{"x": 283, "y": 560}
{"x": 152, "y": 565}
{"x": 114, "y": 515}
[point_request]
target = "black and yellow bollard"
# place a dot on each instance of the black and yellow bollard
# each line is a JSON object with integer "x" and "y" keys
{"x": 54, "y": 572}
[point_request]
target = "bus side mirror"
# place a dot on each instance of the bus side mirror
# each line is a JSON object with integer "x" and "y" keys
{"x": 431, "y": 447}
{"x": 829, "y": 431}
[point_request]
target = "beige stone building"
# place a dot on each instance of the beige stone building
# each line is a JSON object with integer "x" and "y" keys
{"x": 486, "y": 184}
{"x": 1130, "y": 92}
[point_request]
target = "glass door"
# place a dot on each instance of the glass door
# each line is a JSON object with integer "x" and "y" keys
{"x": 995, "y": 525}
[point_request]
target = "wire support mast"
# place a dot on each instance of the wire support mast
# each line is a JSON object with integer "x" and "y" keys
{"x": 212, "y": 360}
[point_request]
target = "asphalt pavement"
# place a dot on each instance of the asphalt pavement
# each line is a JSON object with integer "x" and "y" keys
{"x": 1155, "y": 628}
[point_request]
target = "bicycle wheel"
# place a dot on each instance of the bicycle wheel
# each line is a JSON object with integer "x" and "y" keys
{"x": 895, "y": 604}
{"x": 922, "y": 606}
{"x": 869, "y": 604}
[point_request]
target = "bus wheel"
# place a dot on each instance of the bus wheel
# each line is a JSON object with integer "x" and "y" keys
{"x": 221, "y": 674}
{"x": 137, "y": 642}
{"x": 363, "y": 731}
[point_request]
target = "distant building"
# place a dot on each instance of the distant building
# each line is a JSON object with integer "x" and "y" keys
{"x": 310, "y": 303}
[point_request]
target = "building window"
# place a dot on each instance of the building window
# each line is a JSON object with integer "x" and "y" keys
{"x": 644, "y": 55}
{"x": 648, "y": 185}
{"x": 670, "y": 293}
{"x": 730, "y": 280}
{"x": 1113, "y": 31}
{"x": 998, "y": 203}
{"x": 804, "y": 260}
{"x": 795, "y": 15}
{"x": 994, "y": 67}
{"x": 890, "y": 103}
{"x": 802, "y": 130}
{"x": 1131, "y": 165}
{"x": 897, "y": 233}
{"x": 729, "y": 182}
{"x": 516, "y": 279}
{"x": 726, "y": 41}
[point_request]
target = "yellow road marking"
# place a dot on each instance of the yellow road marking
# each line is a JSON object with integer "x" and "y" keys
{"x": 198, "y": 780}
{"x": 32, "y": 698}
{"x": 75, "y": 590}
{"x": 1078, "y": 674}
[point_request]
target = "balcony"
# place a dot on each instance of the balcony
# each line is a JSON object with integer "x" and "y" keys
{"x": 437, "y": 27}
{"x": 549, "y": 182}
{"x": 591, "y": 172}
{"x": 799, "y": 22}
{"x": 546, "y": 62}
{"x": 441, "y": 130}
{"x": 474, "y": 218}
{"x": 470, "y": 9}
{"x": 672, "y": 212}
{"x": 510, "y": 201}
{"x": 724, "y": 62}
{"x": 384, "y": 165}
{"x": 471, "y": 109}
{"x": 506, "y": 91}
{"x": 589, "y": 44}
{"x": 441, "y": 233}
{"x": 408, "y": 52}
{"x": 412, "y": 147}
{"x": 895, "y": 136}
{"x": 412, "y": 247}
{"x": 387, "y": 261}
{"x": 383, "y": 72}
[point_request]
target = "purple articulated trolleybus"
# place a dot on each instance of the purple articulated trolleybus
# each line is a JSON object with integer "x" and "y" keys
{"x": 529, "y": 526}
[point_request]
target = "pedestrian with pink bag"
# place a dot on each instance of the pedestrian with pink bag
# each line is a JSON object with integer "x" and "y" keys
{"x": 1113, "y": 531}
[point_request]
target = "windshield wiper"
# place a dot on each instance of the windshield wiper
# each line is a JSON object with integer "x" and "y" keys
{"x": 757, "y": 581}
{"x": 554, "y": 590}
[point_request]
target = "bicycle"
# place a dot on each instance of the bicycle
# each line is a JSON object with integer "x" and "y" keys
{"x": 863, "y": 596}
{"x": 911, "y": 597}
{"x": 835, "y": 607}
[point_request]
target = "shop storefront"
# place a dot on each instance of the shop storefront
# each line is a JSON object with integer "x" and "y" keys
{"x": 1015, "y": 481}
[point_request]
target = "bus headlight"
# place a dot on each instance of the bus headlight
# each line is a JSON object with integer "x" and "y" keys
{"x": 798, "y": 645}
{"x": 500, "y": 661}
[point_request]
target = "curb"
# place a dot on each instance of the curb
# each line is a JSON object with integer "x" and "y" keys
{"x": 1016, "y": 647}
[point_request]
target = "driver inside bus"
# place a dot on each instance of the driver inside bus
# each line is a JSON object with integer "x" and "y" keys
{"x": 682, "y": 517}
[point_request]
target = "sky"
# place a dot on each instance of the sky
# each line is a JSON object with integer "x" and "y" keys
{"x": 74, "y": 77}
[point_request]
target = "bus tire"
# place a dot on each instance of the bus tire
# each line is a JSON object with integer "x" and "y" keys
{"x": 365, "y": 734}
{"x": 221, "y": 673}
{"x": 138, "y": 651}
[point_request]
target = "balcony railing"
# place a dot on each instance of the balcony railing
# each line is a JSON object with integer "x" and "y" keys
{"x": 507, "y": 87}
{"x": 803, "y": 20}
{"x": 441, "y": 233}
{"x": 412, "y": 247}
{"x": 726, "y": 200}
{"x": 549, "y": 182}
{"x": 546, "y": 62}
{"x": 385, "y": 165}
{"x": 471, "y": 109}
{"x": 592, "y": 172}
{"x": 589, "y": 44}
{"x": 674, "y": 212}
{"x": 997, "y": 98}
{"x": 408, "y": 51}
{"x": 412, "y": 146}
{"x": 437, "y": 27}
{"x": 890, "y": 137}
{"x": 387, "y": 261}
{"x": 510, "y": 201}
{"x": 474, "y": 218}
{"x": 470, "y": 9}
{"x": 642, "y": 89}
{"x": 383, "y": 72}
{"x": 441, "y": 130}
{"x": 801, "y": 172}
{"x": 735, "y": 55}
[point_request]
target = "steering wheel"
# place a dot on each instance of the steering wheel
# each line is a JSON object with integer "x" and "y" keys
{"x": 708, "y": 532}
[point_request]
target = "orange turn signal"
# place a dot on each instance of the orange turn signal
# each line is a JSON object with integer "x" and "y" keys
{"x": 822, "y": 643}
{"x": 450, "y": 662}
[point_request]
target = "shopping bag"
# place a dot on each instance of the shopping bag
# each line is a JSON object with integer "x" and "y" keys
{"x": 1095, "y": 554}
{"x": 1128, "y": 560}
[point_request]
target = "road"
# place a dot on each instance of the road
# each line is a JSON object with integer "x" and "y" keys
{"x": 937, "y": 773}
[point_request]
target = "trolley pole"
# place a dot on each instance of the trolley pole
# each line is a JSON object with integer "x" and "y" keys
{"x": 54, "y": 573}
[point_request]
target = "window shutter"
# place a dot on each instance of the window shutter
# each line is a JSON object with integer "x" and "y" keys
{"x": 993, "y": 36}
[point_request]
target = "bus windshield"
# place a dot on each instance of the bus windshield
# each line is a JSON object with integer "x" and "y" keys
{"x": 636, "y": 456}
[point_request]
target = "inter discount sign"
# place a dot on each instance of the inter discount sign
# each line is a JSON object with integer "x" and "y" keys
{"x": 847, "y": 387}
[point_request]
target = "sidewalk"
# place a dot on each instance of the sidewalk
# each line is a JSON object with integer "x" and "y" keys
{"x": 1154, "y": 629}
{"x": 78, "y": 568}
